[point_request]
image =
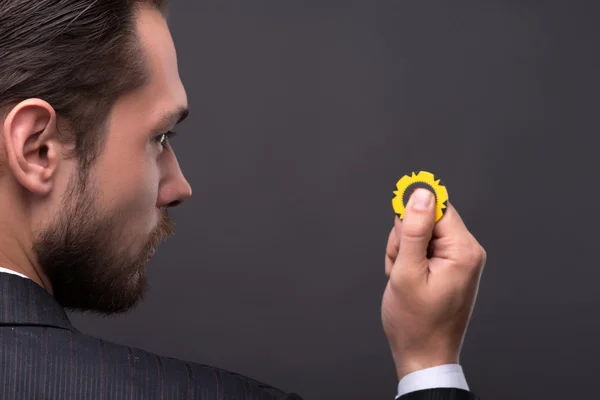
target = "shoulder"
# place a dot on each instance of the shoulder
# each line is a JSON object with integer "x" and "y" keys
{"x": 162, "y": 373}
{"x": 88, "y": 363}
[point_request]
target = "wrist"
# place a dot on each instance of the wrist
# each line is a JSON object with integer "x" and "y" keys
{"x": 409, "y": 365}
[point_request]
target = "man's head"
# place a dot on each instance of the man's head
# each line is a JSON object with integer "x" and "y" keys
{"x": 88, "y": 91}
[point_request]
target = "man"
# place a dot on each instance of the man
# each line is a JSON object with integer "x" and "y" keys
{"x": 89, "y": 91}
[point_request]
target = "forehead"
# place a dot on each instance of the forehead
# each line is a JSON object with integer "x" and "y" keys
{"x": 164, "y": 91}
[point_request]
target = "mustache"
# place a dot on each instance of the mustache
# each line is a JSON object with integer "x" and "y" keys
{"x": 164, "y": 229}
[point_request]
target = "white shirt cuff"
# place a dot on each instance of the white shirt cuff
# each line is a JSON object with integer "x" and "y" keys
{"x": 442, "y": 376}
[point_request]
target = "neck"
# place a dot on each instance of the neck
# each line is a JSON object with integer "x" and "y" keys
{"x": 17, "y": 229}
{"x": 16, "y": 254}
{"x": 23, "y": 264}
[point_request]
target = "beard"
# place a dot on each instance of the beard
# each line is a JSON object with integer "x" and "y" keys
{"x": 82, "y": 254}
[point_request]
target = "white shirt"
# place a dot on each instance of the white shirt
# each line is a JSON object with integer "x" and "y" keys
{"x": 442, "y": 376}
{"x": 10, "y": 271}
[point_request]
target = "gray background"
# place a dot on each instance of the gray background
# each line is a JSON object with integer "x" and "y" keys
{"x": 305, "y": 113}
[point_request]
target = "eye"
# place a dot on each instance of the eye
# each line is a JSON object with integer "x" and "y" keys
{"x": 163, "y": 138}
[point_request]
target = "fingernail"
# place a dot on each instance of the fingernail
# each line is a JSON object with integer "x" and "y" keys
{"x": 421, "y": 199}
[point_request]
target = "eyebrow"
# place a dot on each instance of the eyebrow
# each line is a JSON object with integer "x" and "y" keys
{"x": 172, "y": 118}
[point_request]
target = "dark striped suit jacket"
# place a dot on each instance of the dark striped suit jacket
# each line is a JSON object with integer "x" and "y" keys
{"x": 42, "y": 356}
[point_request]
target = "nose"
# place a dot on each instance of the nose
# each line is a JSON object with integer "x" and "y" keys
{"x": 182, "y": 193}
{"x": 175, "y": 189}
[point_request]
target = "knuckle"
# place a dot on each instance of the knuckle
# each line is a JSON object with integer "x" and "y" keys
{"x": 414, "y": 232}
{"x": 389, "y": 264}
{"x": 391, "y": 253}
{"x": 475, "y": 256}
{"x": 399, "y": 281}
{"x": 470, "y": 253}
{"x": 483, "y": 256}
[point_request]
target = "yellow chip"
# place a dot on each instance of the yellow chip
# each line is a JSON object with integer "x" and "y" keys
{"x": 422, "y": 180}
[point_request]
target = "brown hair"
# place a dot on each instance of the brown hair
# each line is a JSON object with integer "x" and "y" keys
{"x": 78, "y": 55}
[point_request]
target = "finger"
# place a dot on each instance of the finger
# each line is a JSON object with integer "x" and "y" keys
{"x": 398, "y": 228}
{"x": 391, "y": 251}
{"x": 469, "y": 257}
{"x": 451, "y": 225}
{"x": 389, "y": 266}
{"x": 440, "y": 249}
{"x": 453, "y": 241}
{"x": 393, "y": 243}
{"x": 417, "y": 228}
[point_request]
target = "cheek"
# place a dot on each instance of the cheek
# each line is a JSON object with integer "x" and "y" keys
{"x": 139, "y": 198}
{"x": 131, "y": 191}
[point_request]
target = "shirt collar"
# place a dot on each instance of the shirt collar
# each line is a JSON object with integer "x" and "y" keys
{"x": 10, "y": 271}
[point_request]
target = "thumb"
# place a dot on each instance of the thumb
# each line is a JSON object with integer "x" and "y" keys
{"x": 417, "y": 229}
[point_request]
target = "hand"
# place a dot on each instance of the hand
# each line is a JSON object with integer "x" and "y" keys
{"x": 432, "y": 285}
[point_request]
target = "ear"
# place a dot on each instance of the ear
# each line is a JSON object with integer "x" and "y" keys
{"x": 32, "y": 145}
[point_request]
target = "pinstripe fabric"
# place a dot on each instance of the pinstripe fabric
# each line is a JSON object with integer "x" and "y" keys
{"x": 42, "y": 356}
{"x": 440, "y": 394}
